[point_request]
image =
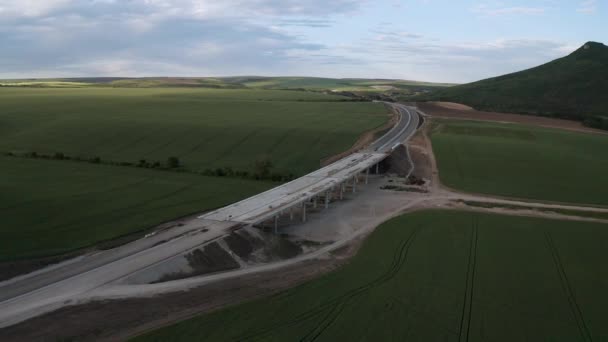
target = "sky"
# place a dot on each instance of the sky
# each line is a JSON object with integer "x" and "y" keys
{"x": 425, "y": 40}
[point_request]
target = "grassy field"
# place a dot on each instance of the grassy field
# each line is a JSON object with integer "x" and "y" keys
{"x": 522, "y": 161}
{"x": 238, "y": 82}
{"x": 205, "y": 128}
{"x": 51, "y": 207}
{"x": 438, "y": 276}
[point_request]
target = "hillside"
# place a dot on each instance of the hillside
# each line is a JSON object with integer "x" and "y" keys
{"x": 572, "y": 87}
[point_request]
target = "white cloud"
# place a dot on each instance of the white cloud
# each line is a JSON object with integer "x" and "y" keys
{"x": 30, "y": 8}
{"x": 60, "y": 38}
{"x": 496, "y": 10}
{"x": 587, "y": 7}
{"x": 450, "y": 61}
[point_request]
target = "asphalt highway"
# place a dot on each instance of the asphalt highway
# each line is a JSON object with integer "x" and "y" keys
{"x": 25, "y": 297}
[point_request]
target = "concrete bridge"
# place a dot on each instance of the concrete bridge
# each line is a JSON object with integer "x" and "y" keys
{"x": 76, "y": 280}
{"x": 321, "y": 187}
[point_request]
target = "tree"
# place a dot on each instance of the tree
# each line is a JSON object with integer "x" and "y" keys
{"x": 173, "y": 162}
{"x": 262, "y": 167}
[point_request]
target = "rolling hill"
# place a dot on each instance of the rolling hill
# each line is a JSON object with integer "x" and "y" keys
{"x": 573, "y": 87}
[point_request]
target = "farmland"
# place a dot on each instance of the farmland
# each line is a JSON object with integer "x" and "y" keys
{"x": 204, "y": 128}
{"x": 244, "y": 82}
{"x": 52, "y": 206}
{"x": 437, "y": 276}
{"x": 522, "y": 161}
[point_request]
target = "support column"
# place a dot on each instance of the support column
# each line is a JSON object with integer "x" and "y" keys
{"x": 327, "y": 194}
{"x": 367, "y": 176}
{"x": 304, "y": 211}
{"x": 341, "y": 191}
{"x": 276, "y": 224}
{"x": 355, "y": 184}
{"x": 378, "y": 168}
{"x": 314, "y": 202}
{"x": 291, "y": 214}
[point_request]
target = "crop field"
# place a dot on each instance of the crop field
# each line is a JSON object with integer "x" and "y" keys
{"x": 522, "y": 161}
{"x": 51, "y": 207}
{"x": 335, "y": 84}
{"x": 204, "y": 128}
{"x": 238, "y": 82}
{"x": 438, "y": 276}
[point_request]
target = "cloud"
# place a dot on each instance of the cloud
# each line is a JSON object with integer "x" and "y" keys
{"x": 587, "y": 7}
{"x": 63, "y": 38}
{"x": 30, "y": 8}
{"x": 317, "y": 23}
{"x": 73, "y": 46}
{"x": 156, "y": 37}
{"x": 450, "y": 61}
{"x": 497, "y": 10}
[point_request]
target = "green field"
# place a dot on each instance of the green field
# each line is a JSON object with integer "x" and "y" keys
{"x": 49, "y": 207}
{"x": 52, "y": 207}
{"x": 205, "y": 128}
{"x": 522, "y": 161}
{"x": 438, "y": 276}
{"x": 238, "y": 82}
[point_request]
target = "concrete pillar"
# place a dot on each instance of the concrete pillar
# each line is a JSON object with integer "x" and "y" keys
{"x": 314, "y": 202}
{"x": 291, "y": 214}
{"x": 341, "y": 191}
{"x": 303, "y": 211}
{"x": 327, "y": 194}
{"x": 355, "y": 184}
{"x": 367, "y": 176}
{"x": 276, "y": 224}
{"x": 378, "y": 168}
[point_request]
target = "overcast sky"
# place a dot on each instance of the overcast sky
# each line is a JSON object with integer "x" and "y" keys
{"x": 428, "y": 40}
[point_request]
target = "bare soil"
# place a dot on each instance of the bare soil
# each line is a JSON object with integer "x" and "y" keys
{"x": 420, "y": 153}
{"x": 457, "y": 111}
{"x": 453, "y": 105}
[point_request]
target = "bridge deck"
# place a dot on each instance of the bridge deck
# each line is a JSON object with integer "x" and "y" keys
{"x": 272, "y": 202}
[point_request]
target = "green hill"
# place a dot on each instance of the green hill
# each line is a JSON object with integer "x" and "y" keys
{"x": 573, "y": 87}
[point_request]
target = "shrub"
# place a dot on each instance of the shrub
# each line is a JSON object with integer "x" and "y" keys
{"x": 173, "y": 162}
